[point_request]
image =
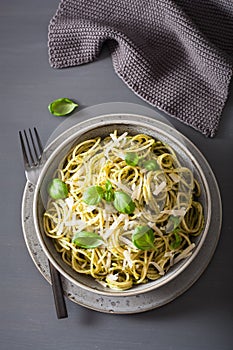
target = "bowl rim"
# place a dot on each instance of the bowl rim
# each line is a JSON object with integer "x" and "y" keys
{"x": 138, "y": 121}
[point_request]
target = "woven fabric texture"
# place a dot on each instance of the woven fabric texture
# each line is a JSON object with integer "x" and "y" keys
{"x": 174, "y": 54}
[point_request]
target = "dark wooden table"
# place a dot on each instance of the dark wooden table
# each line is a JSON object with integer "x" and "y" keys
{"x": 201, "y": 318}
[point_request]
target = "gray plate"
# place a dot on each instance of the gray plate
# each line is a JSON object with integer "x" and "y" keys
{"x": 131, "y": 303}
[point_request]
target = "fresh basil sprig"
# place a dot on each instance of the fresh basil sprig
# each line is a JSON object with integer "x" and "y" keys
{"x": 93, "y": 195}
{"x": 123, "y": 203}
{"x": 57, "y": 189}
{"x": 131, "y": 158}
{"x": 143, "y": 238}
{"x": 121, "y": 200}
{"x": 109, "y": 193}
{"x": 62, "y": 106}
{"x": 87, "y": 240}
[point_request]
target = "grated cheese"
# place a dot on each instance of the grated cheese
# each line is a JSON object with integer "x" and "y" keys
{"x": 114, "y": 226}
{"x": 127, "y": 259}
{"x": 185, "y": 253}
{"x": 90, "y": 208}
{"x": 175, "y": 178}
{"x": 122, "y": 187}
{"x": 108, "y": 262}
{"x": 78, "y": 173}
{"x": 70, "y": 202}
{"x": 175, "y": 212}
{"x": 127, "y": 242}
{"x": 114, "y": 143}
{"x": 60, "y": 229}
{"x": 159, "y": 188}
{"x": 159, "y": 268}
{"x": 136, "y": 192}
{"x": 112, "y": 278}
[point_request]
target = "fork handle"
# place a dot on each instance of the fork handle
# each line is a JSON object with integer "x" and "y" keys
{"x": 58, "y": 292}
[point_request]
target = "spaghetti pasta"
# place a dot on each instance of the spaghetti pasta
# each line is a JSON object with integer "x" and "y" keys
{"x": 145, "y": 210}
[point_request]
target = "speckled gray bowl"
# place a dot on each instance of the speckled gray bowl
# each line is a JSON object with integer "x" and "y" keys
{"x": 102, "y": 126}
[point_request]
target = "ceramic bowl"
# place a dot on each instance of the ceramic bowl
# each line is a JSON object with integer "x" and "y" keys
{"x": 102, "y": 126}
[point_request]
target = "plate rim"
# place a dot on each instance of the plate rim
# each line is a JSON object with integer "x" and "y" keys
{"x": 217, "y": 195}
{"x": 141, "y": 121}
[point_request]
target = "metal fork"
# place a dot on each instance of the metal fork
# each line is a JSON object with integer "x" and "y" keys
{"x": 32, "y": 150}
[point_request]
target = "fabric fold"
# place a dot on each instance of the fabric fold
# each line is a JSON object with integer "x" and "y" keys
{"x": 166, "y": 51}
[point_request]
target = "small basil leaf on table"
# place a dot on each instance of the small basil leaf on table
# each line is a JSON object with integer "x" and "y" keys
{"x": 123, "y": 203}
{"x": 57, "y": 189}
{"x": 143, "y": 238}
{"x": 131, "y": 158}
{"x": 62, "y": 106}
{"x": 93, "y": 195}
{"x": 87, "y": 240}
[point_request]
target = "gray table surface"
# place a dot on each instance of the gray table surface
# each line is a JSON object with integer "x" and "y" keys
{"x": 201, "y": 318}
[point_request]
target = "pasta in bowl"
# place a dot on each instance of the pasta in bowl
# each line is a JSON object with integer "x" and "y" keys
{"x": 121, "y": 208}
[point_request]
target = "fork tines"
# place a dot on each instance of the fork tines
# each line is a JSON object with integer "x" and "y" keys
{"x": 31, "y": 147}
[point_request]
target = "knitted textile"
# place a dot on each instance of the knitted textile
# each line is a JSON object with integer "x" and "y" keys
{"x": 174, "y": 54}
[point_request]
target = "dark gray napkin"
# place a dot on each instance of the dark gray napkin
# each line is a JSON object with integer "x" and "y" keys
{"x": 174, "y": 54}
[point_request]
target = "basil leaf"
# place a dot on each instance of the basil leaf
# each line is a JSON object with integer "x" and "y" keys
{"x": 109, "y": 193}
{"x": 93, "y": 195}
{"x": 175, "y": 220}
{"x": 108, "y": 185}
{"x": 143, "y": 238}
{"x": 131, "y": 158}
{"x": 173, "y": 223}
{"x": 62, "y": 106}
{"x": 57, "y": 189}
{"x": 150, "y": 165}
{"x": 123, "y": 203}
{"x": 176, "y": 242}
{"x": 84, "y": 239}
{"x": 109, "y": 196}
